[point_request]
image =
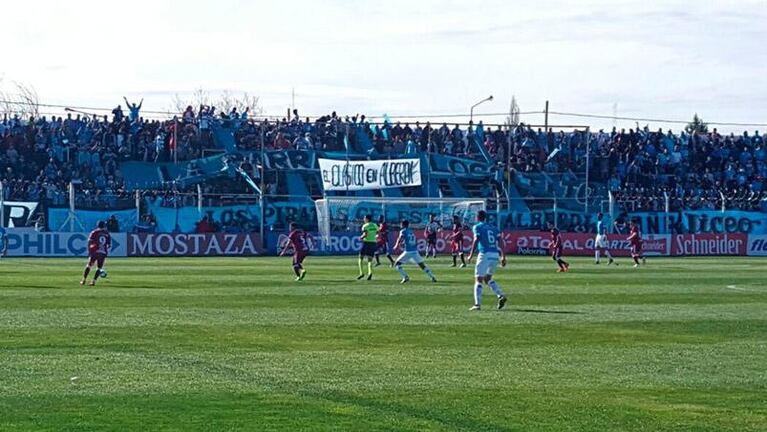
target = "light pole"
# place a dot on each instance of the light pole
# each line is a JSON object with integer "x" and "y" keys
{"x": 471, "y": 111}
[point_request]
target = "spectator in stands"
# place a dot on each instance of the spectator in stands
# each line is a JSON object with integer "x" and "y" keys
{"x": 112, "y": 224}
{"x": 133, "y": 109}
{"x": 204, "y": 226}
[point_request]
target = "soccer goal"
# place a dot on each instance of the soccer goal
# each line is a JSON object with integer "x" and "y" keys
{"x": 345, "y": 214}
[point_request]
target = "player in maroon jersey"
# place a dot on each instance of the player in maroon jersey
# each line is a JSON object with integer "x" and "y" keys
{"x": 382, "y": 242}
{"x": 456, "y": 242}
{"x": 555, "y": 246}
{"x": 635, "y": 238}
{"x": 297, "y": 241}
{"x": 99, "y": 243}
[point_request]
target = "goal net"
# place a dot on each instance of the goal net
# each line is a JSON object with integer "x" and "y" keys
{"x": 346, "y": 214}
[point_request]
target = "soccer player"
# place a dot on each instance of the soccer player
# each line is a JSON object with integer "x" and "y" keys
{"x": 99, "y": 243}
{"x": 3, "y": 242}
{"x": 431, "y": 236}
{"x": 409, "y": 252}
{"x": 382, "y": 242}
{"x": 600, "y": 242}
{"x": 555, "y": 246}
{"x": 486, "y": 242}
{"x": 368, "y": 237}
{"x": 635, "y": 238}
{"x": 297, "y": 240}
{"x": 456, "y": 242}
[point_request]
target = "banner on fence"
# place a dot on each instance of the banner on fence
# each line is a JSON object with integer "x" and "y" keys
{"x": 16, "y": 214}
{"x": 28, "y": 242}
{"x": 86, "y": 220}
{"x": 702, "y": 221}
{"x": 202, "y": 245}
{"x": 376, "y": 174}
{"x": 242, "y": 217}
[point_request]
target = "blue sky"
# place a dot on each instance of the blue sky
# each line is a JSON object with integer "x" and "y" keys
{"x": 652, "y": 58}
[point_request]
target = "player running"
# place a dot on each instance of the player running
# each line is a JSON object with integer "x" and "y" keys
{"x": 486, "y": 241}
{"x": 555, "y": 246}
{"x": 600, "y": 242}
{"x": 368, "y": 237}
{"x": 409, "y": 252}
{"x": 431, "y": 235}
{"x": 635, "y": 238}
{"x": 99, "y": 244}
{"x": 456, "y": 242}
{"x": 297, "y": 240}
{"x": 382, "y": 242}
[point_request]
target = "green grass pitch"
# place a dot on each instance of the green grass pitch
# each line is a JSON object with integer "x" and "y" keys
{"x": 234, "y": 344}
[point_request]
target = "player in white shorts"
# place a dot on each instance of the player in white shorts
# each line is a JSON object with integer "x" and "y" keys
{"x": 600, "y": 241}
{"x": 486, "y": 242}
{"x": 410, "y": 252}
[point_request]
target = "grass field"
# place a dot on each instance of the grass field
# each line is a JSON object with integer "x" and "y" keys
{"x": 235, "y": 344}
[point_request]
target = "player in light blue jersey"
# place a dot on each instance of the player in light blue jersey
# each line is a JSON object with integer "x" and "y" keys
{"x": 600, "y": 241}
{"x": 486, "y": 242}
{"x": 3, "y": 242}
{"x": 409, "y": 252}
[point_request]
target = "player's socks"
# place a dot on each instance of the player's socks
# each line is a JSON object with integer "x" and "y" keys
{"x": 297, "y": 270}
{"x": 360, "y": 265}
{"x": 463, "y": 260}
{"x": 96, "y": 275}
{"x": 455, "y": 260}
{"x": 496, "y": 289}
{"x": 401, "y": 272}
{"x": 609, "y": 255}
{"x": 378, "y": 260}
{"x": 477, "y": 294}
{"x": 302, "y": 275}
{"x": 391, "y": 260}
{"x": 85, "y": 272}
{"x": 428, "y": 272}
{"x": 596, "y": 256}
{"x": 370, "y": 270}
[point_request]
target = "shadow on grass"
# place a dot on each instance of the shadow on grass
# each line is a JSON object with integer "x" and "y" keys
{"x": 543, "y": 311}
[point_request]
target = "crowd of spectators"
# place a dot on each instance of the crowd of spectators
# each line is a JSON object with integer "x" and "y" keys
{"x": 644, "y": 169}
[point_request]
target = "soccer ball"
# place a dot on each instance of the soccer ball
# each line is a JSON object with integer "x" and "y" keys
{"x": 103, "y": 273}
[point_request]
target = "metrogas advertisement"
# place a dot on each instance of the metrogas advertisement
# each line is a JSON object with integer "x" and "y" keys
{"x": 375, "y": 174}
{"x": 205, "y": 245}
{"x": 28, "y": 242}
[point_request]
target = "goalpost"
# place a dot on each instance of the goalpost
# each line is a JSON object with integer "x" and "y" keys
{"x": 345, "y": 214}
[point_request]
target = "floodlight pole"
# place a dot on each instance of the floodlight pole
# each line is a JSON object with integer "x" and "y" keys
{"x": 471, "y": 111}
{"x": 262, "y": 201}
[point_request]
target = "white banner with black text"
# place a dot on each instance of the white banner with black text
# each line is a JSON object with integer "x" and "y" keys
{"x": 361, "y": 175}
